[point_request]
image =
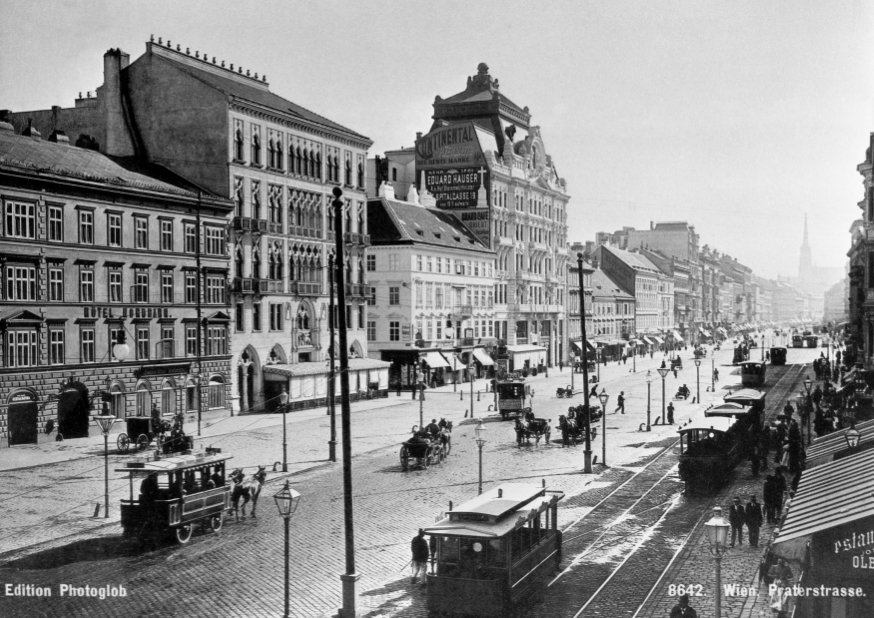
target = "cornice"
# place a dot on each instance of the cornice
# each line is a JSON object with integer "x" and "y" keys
{"x": 250, "y": 109}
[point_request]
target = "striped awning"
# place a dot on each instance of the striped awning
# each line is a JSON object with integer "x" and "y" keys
{"x": 677, "y": 336}
{"x": 659, "y": 339}
{"x": 435, "y": 360}
{"x": 483, "y": 358}
{"x": 824, "y": 449}
{"x": 648, "y": 341}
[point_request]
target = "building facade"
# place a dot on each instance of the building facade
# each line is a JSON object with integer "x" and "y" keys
{"x": 640, "y": 278}
{"x": 96, "y": 254}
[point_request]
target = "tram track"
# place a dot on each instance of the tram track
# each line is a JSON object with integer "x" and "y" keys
{"x": 614, "y": 548}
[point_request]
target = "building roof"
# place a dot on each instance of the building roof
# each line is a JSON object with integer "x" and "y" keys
{"x": 51, "y": 159}
{"x": 636, "y": 261}
{"x": 395, "y": 222}
{"x": 602, "y": 285}
{"x": 229, "y": 83}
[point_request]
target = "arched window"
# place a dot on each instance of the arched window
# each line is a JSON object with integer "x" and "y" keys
{"x": 256, "y": 200}
{"x": 306, "y": 163}
{"x": 191, "y": 395}
{"x": 144, "y": 399}
{"x": 238, "y": 261}
{"x": 256, "y": 148}
{"x": 238, "y": 196}
{"x": 298, "y": 161}
{"x": 303, "y": 318}
{"x": 280, "y": 157}
{"x": 271, "y": 153}
{"x": 216, "y": 392}
{"x": 168, "y": 398}
{"x": 116, "y": 401}
{"x": 238, "y": 145}
{"x": 336, "y": 169}
{"x": 360, "y": 176}
{"x": 256, "y": 263}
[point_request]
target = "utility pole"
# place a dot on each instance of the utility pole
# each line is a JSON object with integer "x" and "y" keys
{"x": 587, "y": 454}
{"x": 332, "y": 355}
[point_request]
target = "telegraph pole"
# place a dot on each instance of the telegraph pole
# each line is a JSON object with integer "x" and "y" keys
{"x": 587, "y": 454}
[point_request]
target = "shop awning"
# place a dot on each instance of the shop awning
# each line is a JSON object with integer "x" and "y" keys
{"x": 828, "y": 496}
{"x": 480, "y": 355}
{"x": 705, "y": 332}
{"x": 824, "y": 449}
{"x": 677, "y": 336}
{"x": 321, "y": 367}
{"x": 516, "y": 349}
{"x": 648, "y": 341}
{"x": 659, "y": 339}
{"x": 435, "y": 360}
{"x": 722, "y": 330}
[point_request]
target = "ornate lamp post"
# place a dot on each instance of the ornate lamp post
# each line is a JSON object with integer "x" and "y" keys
{"x": 808, "y": 405}
{"x": 712, "y": 374}
{"x": 853, "y": 436}
{"x": 698, "y": 377}
{"x": 648, "y": 390}
{"x": 287, "y": 501}
{"x": 480, "y": 433}
{"x": 604, "y": 398}
{"x": 763, "y": 347}
{"x": 283, "y": 402}
{"x": 587, "y": 454}
{"x": 105, "y": 422}
{"x": 717, "y": 536}
{"x": 663, "y": 371}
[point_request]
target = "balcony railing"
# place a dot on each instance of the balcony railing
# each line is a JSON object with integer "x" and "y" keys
{"x": 243, "y": 223}
{"x": 351, "y": 238}
{"x": 266, "y": 286}
{"x": 364, "y": 240}
{"x": 462, "y": 310}
{"x": 305, "y": 288}
{"x": 244, "y": 285}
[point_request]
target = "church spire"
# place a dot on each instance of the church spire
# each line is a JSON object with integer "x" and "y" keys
{"x": 805, "y": 262}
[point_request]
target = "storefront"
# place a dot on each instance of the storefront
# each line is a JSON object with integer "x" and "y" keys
{"x": 485, "y": 366}
{"x": 435, "y": 366}
{"x": 526, "y": 357}
{"x": 307, "y": 383}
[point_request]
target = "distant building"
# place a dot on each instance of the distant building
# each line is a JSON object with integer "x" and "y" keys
{"x": 836, "y": 301}
{"x": 637, "y": 276}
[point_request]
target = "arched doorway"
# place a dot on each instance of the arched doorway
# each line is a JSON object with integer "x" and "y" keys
{"x": 73, "y": 411}
{"x": 22, "y": 414}
{"x": 249, "y": 380}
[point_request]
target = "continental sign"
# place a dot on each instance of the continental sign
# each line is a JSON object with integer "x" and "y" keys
{"x": 458, "y": 188}
{"x": 455, "y": 145}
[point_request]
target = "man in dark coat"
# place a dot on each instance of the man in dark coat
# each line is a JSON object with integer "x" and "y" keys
{"x": 768, "y": 498}
{"x": 737, "y": 516}
{"x": 682, "y": 609}
{"x": 779, "y": 490}
{"x": 419, "y": 548}
{"x": 754, "y": 520}
{"x": 671, "y": 413}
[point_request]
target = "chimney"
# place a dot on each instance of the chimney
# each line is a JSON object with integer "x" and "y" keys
{"x": 651, "y": 225}
{"x": 30, "y": 130}
{"x": 413, "y": 195}
{"x": 387, "y": 191}
{"x": 117, "y": 140}
{"x": 59, "y": 137}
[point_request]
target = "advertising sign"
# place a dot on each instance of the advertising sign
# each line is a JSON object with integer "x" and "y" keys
{"x": 846, "y": 553}
{"x": 458, "y": 187}
{"x": 452, "y": 146}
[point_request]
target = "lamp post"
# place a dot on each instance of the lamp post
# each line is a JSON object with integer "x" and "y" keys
{"x": 805, "y": 418}
{"x": 283, "y": 401}
{"x": 604, "y": 398}
{"x": 587, "y": 454}
{"x": 287, "y": 501}
{"x": 332, "y": 359}
{"x": 712, "y": 374}
{"x": 663, "y": 371}
{"x": 763, "y": 347}
{"x": 105, "y": 422}
{"x": 853, "y": 436}
{"x": 698, "y": 377}
{"x": 648, "y": 390}
{"x": 717, "y": 536}
{"x": 421, "y": 379}
{"x": 480, "y": 433}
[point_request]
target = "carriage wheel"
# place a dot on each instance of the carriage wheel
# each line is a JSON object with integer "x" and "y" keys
{"x": 123, "y": 443}
{"x": 215, "y": 522}
{"x": 183, "y": 533}
{"x": 405, "y": 459}
{"x": 143, "y": 442}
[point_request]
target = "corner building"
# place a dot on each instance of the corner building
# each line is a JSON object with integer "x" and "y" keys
{"x": 486, "y": 162}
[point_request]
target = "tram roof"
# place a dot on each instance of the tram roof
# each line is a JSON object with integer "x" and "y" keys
{"x": 148, "y": 465}
{"x": 744, "y": 396}
{"x": 717, "y": 423}
{"x": 727, "y": 409}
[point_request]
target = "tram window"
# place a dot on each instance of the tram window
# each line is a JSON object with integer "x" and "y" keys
{"x": 496, "y": 555}
{"x": 448, "y": 549}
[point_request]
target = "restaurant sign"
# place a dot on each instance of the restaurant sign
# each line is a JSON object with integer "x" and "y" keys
{"x": 845, "y": 552}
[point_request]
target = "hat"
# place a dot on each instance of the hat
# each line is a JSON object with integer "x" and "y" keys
{"x": 684, "y": 598}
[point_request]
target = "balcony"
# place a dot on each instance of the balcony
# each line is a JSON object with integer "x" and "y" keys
{"x": 351, "y": 238}
{"x": 243, "y": 223}
{"x": 504, "y": 241}
{"x": 364, "y": 240}
{"x": 274, "y": 228}
{"x": 537, "y": 246}
{"x": 305, "y": 288}
{"x": 268, "y": 286}
{"x": 460, "y": 312}
{"x": 355, "y": 290}
{"x": 244, "y": 285}
{"x": 259, "y": 225}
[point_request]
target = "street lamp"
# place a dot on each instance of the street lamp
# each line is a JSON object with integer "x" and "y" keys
{"x": 712, "y": 374}
{"x": 663, "y": 371}
{"x": 648, "y": 390}
{"x": 587, "y": 454}
{"x": 853, "y": 435}
{"x": 717, "y": 536}
{"x": 480, "y": 433}
{"x": 698, "y": 377}
{"x": 763, "y": 347}
{"x": 121, "y": 349}
{"x": 421, "y": 379}
{"x": 604, "y": 398}
{"x": 283, "y": 401}
{"x": 287, "y": 501}
{"x": 807, "y": 407}
{"x": 105, "y": 422}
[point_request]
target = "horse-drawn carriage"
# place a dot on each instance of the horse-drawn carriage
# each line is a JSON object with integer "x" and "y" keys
{"x": 741, "y": 354}
{"x": 564, "y": 393}
{"x": 176, "y": 495}
{"x": 422, "y": 450}
{"x": 573, "y": 425}
{"x": 141, "y": 430}
{"x": 513, "y": 397}
{"x": 528, "y": 427}
{"x": 778, "y": 355}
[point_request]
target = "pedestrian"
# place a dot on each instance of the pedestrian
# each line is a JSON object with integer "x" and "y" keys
{"x": 561, "y": 366}
{"x": 625, "y": 359}
{"x": 754, "y": 520}
{"x": 675, "y": 371}
{"x": 737, "y": 516}
{"x": 715, "y": 375}
{"x": 778, "y": 598}
{"x": 765, "y": 445}
{"x": 779, "y": 491}
{"x": 399, "y": 388}
{"x": 755, "y": 456}
{"x": 419, "y": 548}
{"x": 594, "y": 393}
{"x": 683, "y": 610}
{"x": 768, "y": 498}
{"x": 621, "y": 401}
{"x": 671, "y": 413}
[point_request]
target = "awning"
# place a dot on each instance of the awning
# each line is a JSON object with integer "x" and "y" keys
{"x": 722, "y": 330}
{"x": 524, "y": 348}
{"x": 824, "y": 449}
{"x": 577, "y": 343}
{"x": 659, "y": 339}
{"x": 480, "y": 355}
{"x": 321, "y": 368}
{"x": 648, "y": 341}
{"x": 706, "y": 333}
{"x": 677, "y": 336}
{"x": 435, "y": 360}
{"x": 825, "y": 499}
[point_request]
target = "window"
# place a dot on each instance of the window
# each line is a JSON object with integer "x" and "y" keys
{"x": 113, "y": 229}
{"x": 21, "y": 348}
{"x": 190, "y": 341}
{"x": 167, "y": 287}
{"x": 166, "y": 235}
{"x": 142, "y": 343}
{"x": 141, "y": 233}
{"x": 114, "y": 336}
{"x": 20, "y": 220}
{"x": 86, "y": 285}
{"x": 86, "y": 345}
{"x": 428, "y": 265}
{"x": 141, "y": 285}
{"x": 371, "y": 263}
{"x": 371, "y": 295}
{"x": 144, "y": 400}
{"x": 238, "y": 318}
{"x": 56, "y": 284}
{"x": 256, "y": 316}
{"x": 116, "y": 401}
{"x": 216, "y": 392}
{"x": 392, "y": 261}
{"x": 256, "y": 199}
{"x": 191, "y": 398}
{"x": 438, "y": 297}
{"x": 168, "y": 399}
{"x": 394, "y": 331}
{"x": 190, "y": 288}
{"x": 419, "y": 263}
{"x": 420, "y": 292}
{"x": 238, "y": 140}
{"x": 256, "y": 145}
{"x": 190, "y": 239}
{"x": 168, "y": 340}
{"x": 276, "y": 314}
{"x": 20, "y": 282}
{"x": 56, "y": 223}
{"x": 361, "y": 315}
{"x": 215, "y": 240}
{"x": 215, "y": 289}
{"x": 371, "y": 330}
{"x": 216, "y": 340}
{"x": 440, "y": 265}
{"x": 394, "y": 295}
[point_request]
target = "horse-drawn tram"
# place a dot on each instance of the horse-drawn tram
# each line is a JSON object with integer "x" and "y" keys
{"x": 494, "y": 553}
{"x": 752, "y": 373}
{"x": 176, "y": 494}
{"x": 709, "y": 451}
{"x": 513, "y": 397}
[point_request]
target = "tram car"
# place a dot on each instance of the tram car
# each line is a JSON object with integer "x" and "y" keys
{"x": 513, "y": 398}
{"x": 811, "y": 341}
{"x": 709, "y": 451}
{"x": 797, "y": 341}
{"x": 778, "y": 355}
{"x": 495, "y": 553}
{"x": 752, "y": 373}
{"x": 176, "y": 494}
{"x": 748, "y": 397}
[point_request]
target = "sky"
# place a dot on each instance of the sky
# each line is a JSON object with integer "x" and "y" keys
{"x": 739, "y": 117}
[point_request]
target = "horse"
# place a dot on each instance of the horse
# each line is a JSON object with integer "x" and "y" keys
{"x": 538, "y": 427}
{"x": 247, "y": 489}
{"x": 569, "y": 429}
